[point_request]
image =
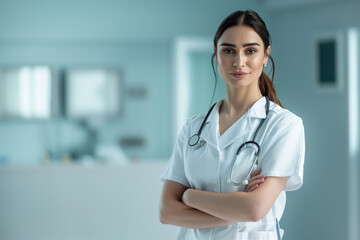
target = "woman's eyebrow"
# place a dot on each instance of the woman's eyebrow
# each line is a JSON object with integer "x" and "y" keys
{"x": 244, "y": 45}
{"x": 228, "y": 45}
{"x": 250, "y": 44}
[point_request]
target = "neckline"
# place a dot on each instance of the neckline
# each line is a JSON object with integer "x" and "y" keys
{"x": 240, "y": 119}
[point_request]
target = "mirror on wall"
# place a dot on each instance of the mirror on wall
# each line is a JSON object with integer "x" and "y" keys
{"x": 26, "y": 92}
{"x": 92, "y": 92}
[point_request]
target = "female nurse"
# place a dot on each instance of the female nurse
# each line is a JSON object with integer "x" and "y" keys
{"x": 199, "y": 194}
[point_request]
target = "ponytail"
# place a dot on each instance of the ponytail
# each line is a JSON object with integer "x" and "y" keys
{"x": 267, "y": 88}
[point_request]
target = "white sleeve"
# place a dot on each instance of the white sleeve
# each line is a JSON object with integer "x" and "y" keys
{"x": 174, "y": 170}
{"x": 283, "y": 150}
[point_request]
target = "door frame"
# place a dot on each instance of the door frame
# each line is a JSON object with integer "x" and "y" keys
{"x": 183, "y": 48}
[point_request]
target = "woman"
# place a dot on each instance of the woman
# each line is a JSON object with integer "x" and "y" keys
{"x": 205, "y": 190}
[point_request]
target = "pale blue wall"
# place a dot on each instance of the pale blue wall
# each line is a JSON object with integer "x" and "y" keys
{"x": 134, "y": 36}
{"x": 113, "y": 20}
{"x": 319, "y": 210}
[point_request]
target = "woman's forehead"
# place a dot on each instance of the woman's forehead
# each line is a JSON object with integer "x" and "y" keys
{"x": 240, "y": 35}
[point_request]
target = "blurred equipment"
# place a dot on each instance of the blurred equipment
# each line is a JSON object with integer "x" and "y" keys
{"x": 111, "y": 153}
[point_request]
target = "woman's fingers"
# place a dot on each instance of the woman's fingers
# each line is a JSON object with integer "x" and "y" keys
{"x": 256, "y": 179}
{"x": 253, "y": 188}
{"x": 255, "y": 182}
{"x": 257, "y": 172}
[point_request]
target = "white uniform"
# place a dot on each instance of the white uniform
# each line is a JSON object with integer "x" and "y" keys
{"x": 208, "y": 168}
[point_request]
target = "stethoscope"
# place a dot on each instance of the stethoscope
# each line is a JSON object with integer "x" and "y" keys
{"x": 197, "y": 142}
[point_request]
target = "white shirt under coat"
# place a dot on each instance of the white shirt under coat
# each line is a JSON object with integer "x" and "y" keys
{"x": 282, "y": 143}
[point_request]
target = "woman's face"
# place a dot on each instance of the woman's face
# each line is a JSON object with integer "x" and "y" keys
{"x": 240, "y": 56}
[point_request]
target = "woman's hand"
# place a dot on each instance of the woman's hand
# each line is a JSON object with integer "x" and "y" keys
{"x": 255, "y": 180}
{"x": 184, "y": 196}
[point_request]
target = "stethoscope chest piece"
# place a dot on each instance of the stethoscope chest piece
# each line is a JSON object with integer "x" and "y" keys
{"x": 196, "y": 142}
{"x": 246, "y": 157}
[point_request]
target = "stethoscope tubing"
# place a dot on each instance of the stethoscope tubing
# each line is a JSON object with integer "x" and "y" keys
{"x": 196, "y": 141}
{"x": 197, "y": 135}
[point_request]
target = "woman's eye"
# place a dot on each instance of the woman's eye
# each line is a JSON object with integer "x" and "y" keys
{"x": 251, "y": 51}
{"x": 228, "y": 51}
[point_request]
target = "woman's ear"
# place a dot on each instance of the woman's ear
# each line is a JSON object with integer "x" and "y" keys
{"x": 216, "y": 59}
{"x": 268, "y": 50}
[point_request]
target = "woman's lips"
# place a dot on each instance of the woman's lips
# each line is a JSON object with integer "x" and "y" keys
{"x": 239, "y": 74}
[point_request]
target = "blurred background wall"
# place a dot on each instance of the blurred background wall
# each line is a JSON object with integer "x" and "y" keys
{"x": 136, "y": 37}
{"x": 96, "y": 177}
{"x": 324, "y": 201}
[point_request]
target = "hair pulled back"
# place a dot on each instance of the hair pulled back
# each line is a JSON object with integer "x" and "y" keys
{"x": 252, "y": 19}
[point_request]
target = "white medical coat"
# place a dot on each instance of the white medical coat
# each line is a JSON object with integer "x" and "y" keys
{"x": 281, "y": 138}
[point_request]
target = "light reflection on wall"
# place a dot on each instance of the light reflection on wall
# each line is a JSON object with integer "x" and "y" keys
{"x": 353, "y": 64}
{"x": 26, "y": 92}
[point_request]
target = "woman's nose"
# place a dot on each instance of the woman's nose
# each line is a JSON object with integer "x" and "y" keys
{"x": 239, "y": 60}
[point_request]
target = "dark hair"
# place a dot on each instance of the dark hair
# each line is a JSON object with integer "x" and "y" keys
{"x": 253, "y": 20}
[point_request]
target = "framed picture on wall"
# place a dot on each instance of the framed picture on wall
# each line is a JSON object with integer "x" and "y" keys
{"x": 329, "y": 59}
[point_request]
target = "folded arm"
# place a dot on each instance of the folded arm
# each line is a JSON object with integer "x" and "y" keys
{"x": 237, "y": 206}
{"x": 173, "y": 211}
